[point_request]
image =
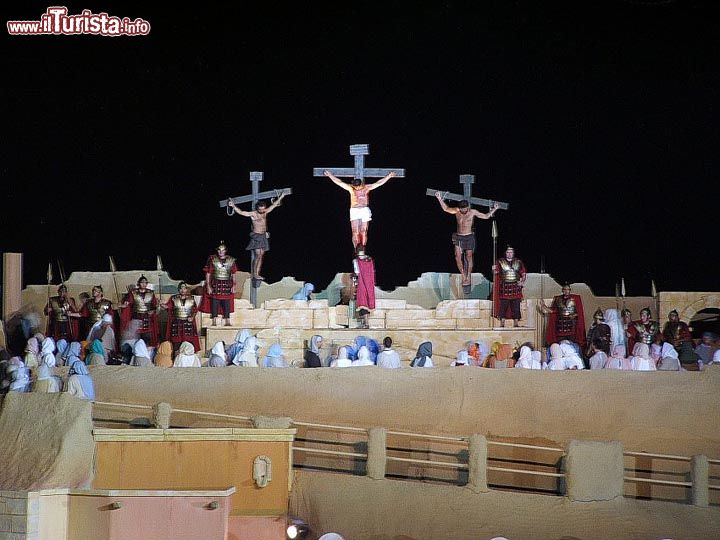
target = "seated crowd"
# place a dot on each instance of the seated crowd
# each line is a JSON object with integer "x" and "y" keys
{"x": 34, "y": 370}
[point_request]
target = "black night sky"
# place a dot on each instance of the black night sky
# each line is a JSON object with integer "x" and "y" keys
{"x": 596, "y": 121}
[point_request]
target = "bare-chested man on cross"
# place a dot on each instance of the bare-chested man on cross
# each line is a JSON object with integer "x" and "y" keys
{"x": 259, "y": 235}
{"x": 464, "y": 238}
{"x": 360, "y": 215}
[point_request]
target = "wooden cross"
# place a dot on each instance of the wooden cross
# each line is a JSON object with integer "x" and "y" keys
{"x": 467, "y": 180}
{"x": 359, "y": 171}
{"x": 255, "y": 178}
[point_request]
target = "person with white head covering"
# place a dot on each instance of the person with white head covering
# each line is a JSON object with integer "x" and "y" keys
{"x": 557, "y": 362}
{"x": 19, "y": 375}
{"x": 641, "y": 360}
{"x": 47, "y": 353}
{"x": 79, "y": 383}
{"x": 571, "y": 357}
{"x": 305, "y": 292}
{"x": 617, "y": 359}
{"x": 141, "y": 355}
{"x": 312, "y": 354}
{"x": 669, "y": 360}
{"x": 186, "y": 356}
{"x": 655, "y": 352}
{"x": 61, "y": 347}
{"x": 274, "y": 357}
{"x": 32, "y": 351}
{"x": 343, "y": 359}
{"x": 218, "y": 356}
{"x": 423, "y": 357}
{"x": 363, "y": 358}
{"x": 104, "y": 331}
{"x": 46, "y": 382}
{"x": 528, "y": 359}
{"x": 248, "y": 356}
{"x": 617, "y": 328}
{"x": 462, "y": 358}
{"x": 237, "y": 346}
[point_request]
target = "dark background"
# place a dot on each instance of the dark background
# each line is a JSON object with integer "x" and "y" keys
{"x": 596, "y": 121}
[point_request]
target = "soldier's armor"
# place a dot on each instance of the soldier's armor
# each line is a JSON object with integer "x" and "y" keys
{"x": 60, "y": 306}
{"x": 141, "y": 304}
{"x": 97, "y": 310}
{"x": 183, "y": 307}
{"x": 647, "y": 334}
{"x": 510, "y": 270}
{"x": 221, "y": 268}
{"x": 566, "y": 308}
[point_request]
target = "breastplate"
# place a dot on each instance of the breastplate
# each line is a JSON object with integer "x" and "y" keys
{"x": 59, "y": 308}
{"x": 97, "y": 310}
{"x": 221, "y": 269}
{"x": 182, "y": 309}
{"x": 140, "y": 303}
{"x": 510, "y": 270}
{"x": 566, "y": 308}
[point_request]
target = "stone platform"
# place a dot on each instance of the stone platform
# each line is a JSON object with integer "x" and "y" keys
{"x": 448, "y": 326}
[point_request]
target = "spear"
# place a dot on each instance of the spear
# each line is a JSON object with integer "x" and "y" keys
{"x": 113, "y": 269}
{"x": 494, "y": 233}
{"x": 159, "y": 273}
{"x": 617, "y": 295}
{"x": 654, "y": 294}
{"x": 49, "y": 281}
{"x": 622, "y": 290}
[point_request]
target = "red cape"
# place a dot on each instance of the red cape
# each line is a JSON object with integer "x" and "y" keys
{"x": 579, "y": 336}
{"x": 126, "y": 317}
{"x": 205, "y": 306}
{"x": 366, "y": 284}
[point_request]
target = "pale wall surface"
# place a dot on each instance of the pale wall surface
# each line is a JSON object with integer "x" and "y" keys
{"x": 45, "y": 441}
{"x": 361, "y": 508}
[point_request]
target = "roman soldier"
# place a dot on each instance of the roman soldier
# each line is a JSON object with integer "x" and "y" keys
{"x": 63, "y": 315}
{"x": 138, "y": 316}
{"x": 509, "y": 279}
{"x": 567, "y": 319}
{"x": 95, "y": 307}
{"x": 644, "y": 331}
{"x": 181, "y": 309}
{"x": 598, "y": 330}
{"x": 675, "y": 331}
{"x": 219, "y": 294}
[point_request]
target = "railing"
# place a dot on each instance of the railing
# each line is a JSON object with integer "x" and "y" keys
{"x": 430, "y": 463}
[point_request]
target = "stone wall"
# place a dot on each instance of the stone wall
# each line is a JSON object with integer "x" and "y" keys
{"x": 19, "y": 515}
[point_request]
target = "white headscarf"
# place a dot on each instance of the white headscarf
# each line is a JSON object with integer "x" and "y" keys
{"x": 617, "y": 329}
{"x": 363, "y": 358}
{"x": 461, "y": 359}
{"x": 571, "y": 357}
{"x": 248, "y": 356}
{"x": 641, "y": 360}
{"x": 557, "y": 361}
{"x": 47, "y": 354}
{"x": 528, "y": 360}
{"x": 141, "y": 355}
{"x": 342, "y": 360}
{"x": 186, "y": 356}
{"x": 314, "y": 344}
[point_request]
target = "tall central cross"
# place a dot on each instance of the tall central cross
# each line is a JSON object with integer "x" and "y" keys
{"x": 255, "y": 178}
{"x": 359, "y": 171}
{"x": 467, "y": 180}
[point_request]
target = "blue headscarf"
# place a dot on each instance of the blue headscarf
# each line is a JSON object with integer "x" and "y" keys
{"x": 274, "y": 357}
{"x": 79, "y": 370}
{"x": 304, "y": 292}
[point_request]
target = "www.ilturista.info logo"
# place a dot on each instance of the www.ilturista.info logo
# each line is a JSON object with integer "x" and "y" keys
{"x": 56, "y": 21}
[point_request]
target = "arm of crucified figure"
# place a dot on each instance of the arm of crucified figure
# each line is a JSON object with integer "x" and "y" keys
{"x": 490, "y": 214}
{"x": 232, "y": 205}
{"x": 337, "y": 181}
{"x": 382, "y": 181}
{"x": 274, "y": 205}
{"x": 443, "y": 205}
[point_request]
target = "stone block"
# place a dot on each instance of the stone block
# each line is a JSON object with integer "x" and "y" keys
{"x": 296, "y": 318}
{"x": 594, "y": 471}
{"x": 250, "y": 318}
{"x": 283, "y": 303}
{"x": 321, "y": 319}
{"x": 458, "y": 309}
{"x": 480, "y": 323}
{"x": 16, "y": 506}
{"x": 418, "y": 324}
{"x": 318, "y": 304}
{"x": 241, "y": 303}
{"x": 410, "y": 314}
{"x": 19, "y": 524}
{"x": 386, "y": 303}
{"x": 376, "y": 324}
{"x": 5, "y": 524}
